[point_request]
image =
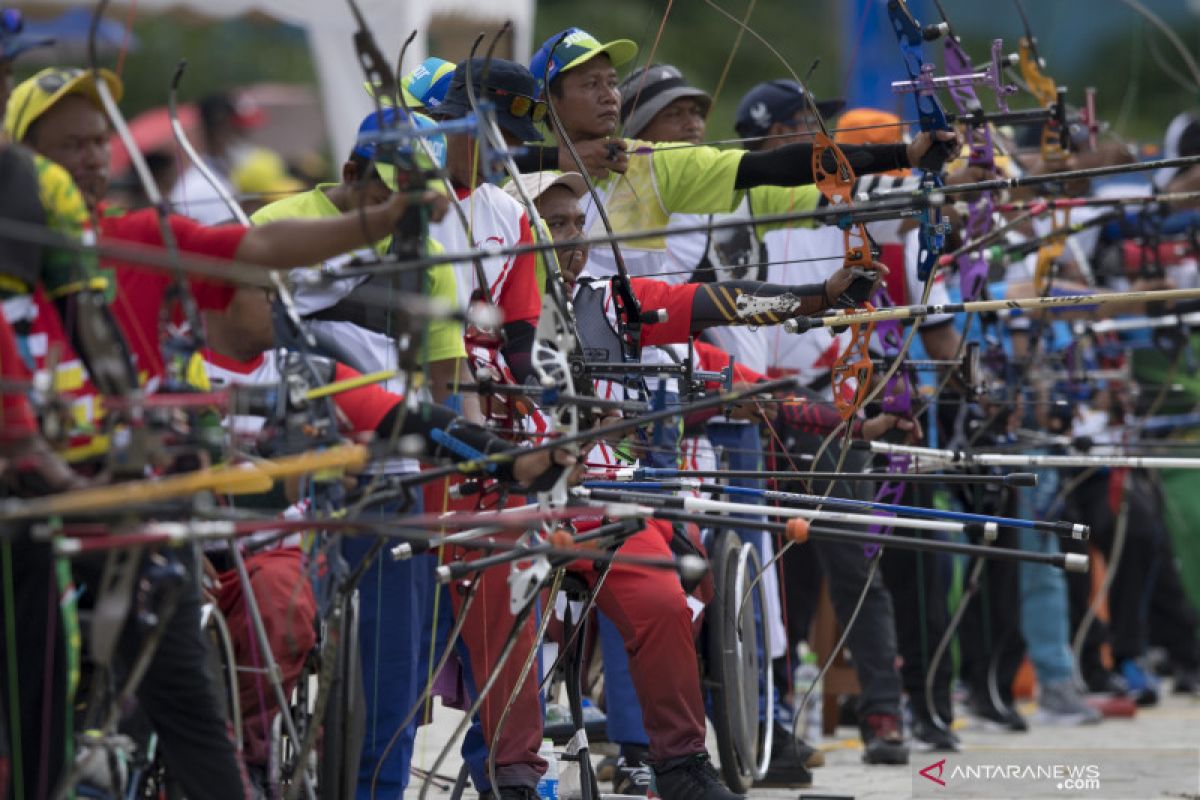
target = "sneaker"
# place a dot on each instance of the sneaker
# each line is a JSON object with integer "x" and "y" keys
{"x": 811, "y": 757}
{"x": 930, "y": 737}
{"x": 632, "y": 774}
{"x": 1143, "y": 685}
{"x": 1004, "y": 718}
{"x": 690, "y": 778}
{"x": 789, "y": 765}
{"x": 1113, "y": 706}
{"x": 1187, "y": 681}
{"x": 1106, "y": 682}
{"x": 883, "y": 743}
{"x": 1062, "y": 704}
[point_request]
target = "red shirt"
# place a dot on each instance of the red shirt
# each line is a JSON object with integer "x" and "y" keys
{"x": 140, "y": 290}
{"x": 676, "y": 299}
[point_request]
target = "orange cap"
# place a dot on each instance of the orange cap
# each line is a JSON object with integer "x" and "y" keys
{"x": 870, "y": 126}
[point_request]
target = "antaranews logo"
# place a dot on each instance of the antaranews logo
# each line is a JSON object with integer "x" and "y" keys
{"x": 1062, "y": 776}
{"x": 937, "y": 766}
{"x": 1056, "y": 774}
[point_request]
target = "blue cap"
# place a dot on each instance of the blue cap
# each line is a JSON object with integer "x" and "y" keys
{"x": 507, "y": 82}
{"x": 576, "y": 47}
{"x": 775, "y": 101}
{"x": 13, "y": 39}
{"x": 429, "y": 82}
{"x": 394, "y": 118}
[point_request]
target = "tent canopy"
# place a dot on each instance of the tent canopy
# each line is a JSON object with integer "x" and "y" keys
{"x": 330, "y": 27}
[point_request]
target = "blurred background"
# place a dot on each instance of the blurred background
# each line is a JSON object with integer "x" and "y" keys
{"x": 284, "y": 56}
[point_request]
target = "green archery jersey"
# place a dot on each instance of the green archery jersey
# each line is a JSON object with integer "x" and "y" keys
{"x": 663, "y": 178}
{"x": 772, "y": 200}
{"x": 444, "y": 339}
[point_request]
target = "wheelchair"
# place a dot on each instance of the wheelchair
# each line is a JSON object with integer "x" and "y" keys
{"x": 735, "y": 646}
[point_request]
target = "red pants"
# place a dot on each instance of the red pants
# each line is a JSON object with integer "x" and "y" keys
{"x": 650, "y": 610}
{"x": 286, "y": 604}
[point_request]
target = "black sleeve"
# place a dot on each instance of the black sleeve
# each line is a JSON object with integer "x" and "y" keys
{"x": 791, "y": 165}
{"x": 715, "y": 304}
{"x": 429, "y": 417}
{"x": 536, "y": 159}
{"x": 518, "y": 348}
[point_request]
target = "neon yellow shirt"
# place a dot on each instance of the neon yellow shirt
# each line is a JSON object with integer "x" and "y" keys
{"x": 671, "y": 180}
{"x": 444, "y": 340}
{"x": 770, "y": 200}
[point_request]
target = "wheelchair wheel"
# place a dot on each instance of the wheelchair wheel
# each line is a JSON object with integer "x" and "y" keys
{"x": 333, "y": 762}
{"x": 342, "y": 737}
{"x": 737, "y": 665}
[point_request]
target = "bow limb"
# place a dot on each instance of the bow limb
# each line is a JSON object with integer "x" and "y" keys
{"x": 181, "y": 138}
{"x": 1172, "y": 37}
{"x": 188, "y": 302}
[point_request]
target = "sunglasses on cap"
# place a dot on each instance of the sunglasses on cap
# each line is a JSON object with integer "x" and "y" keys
{"x": 520, "y": 105}
{"x": 12, "y": 20}
{"x": 51, "y": 82}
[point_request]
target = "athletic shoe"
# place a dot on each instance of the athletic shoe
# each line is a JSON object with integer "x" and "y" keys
{"x": 789, "y": 767}
{"x": 1005, "y": 718}
{"x": 1187, "y": 681}
{"x": 1113, "y": 706}
{"x": 1143, "y": 685}
{"x": 632, "y": 775}
{"x": 930, "y": 737}
{"x": 690, "y": 778}
{"x": 883, "y": 743}
{"x": 1061, "y": 704}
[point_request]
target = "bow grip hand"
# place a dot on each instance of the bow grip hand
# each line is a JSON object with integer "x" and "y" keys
{"x": 932, "y": 149}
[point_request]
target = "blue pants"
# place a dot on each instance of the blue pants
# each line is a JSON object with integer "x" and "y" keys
{"x": 1044, "y": 618}
{"x": 396, "y": 630}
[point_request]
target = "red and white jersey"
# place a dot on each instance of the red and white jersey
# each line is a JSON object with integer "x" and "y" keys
{"x": 496, "y": 221}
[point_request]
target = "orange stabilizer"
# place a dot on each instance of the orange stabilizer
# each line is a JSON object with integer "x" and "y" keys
{"x": 797, "y": 530}
{"x": 561, "y": 539}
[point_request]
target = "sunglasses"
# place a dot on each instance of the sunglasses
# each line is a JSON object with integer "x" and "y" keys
{"x": 520, "y": 105}
{"x": 51, "y": 82}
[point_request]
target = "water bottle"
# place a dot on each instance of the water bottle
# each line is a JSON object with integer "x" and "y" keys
{"x": 807, "y": 675}
{"x": 547, "y": 787}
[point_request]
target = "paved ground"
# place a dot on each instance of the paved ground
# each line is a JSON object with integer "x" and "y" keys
{"x": 1173, "y": 725}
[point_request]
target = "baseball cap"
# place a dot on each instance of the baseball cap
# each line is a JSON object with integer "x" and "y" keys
{"x": 392, "y": 118}
{"x": 264, "y": 172}
{"x": 775, "y": 101}
{"x": 870, "y": 126}
{"x": 648, "y": 90}
{"x": 536, "y": 184}
{"x": 510, "y": 87}
{"x": 424, "y": 87}
{"x": 1181, "y": 139}
{"x": 14, "y": 40}
{"x": 34, "y": 96}
{"x": 576, "y": 47}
